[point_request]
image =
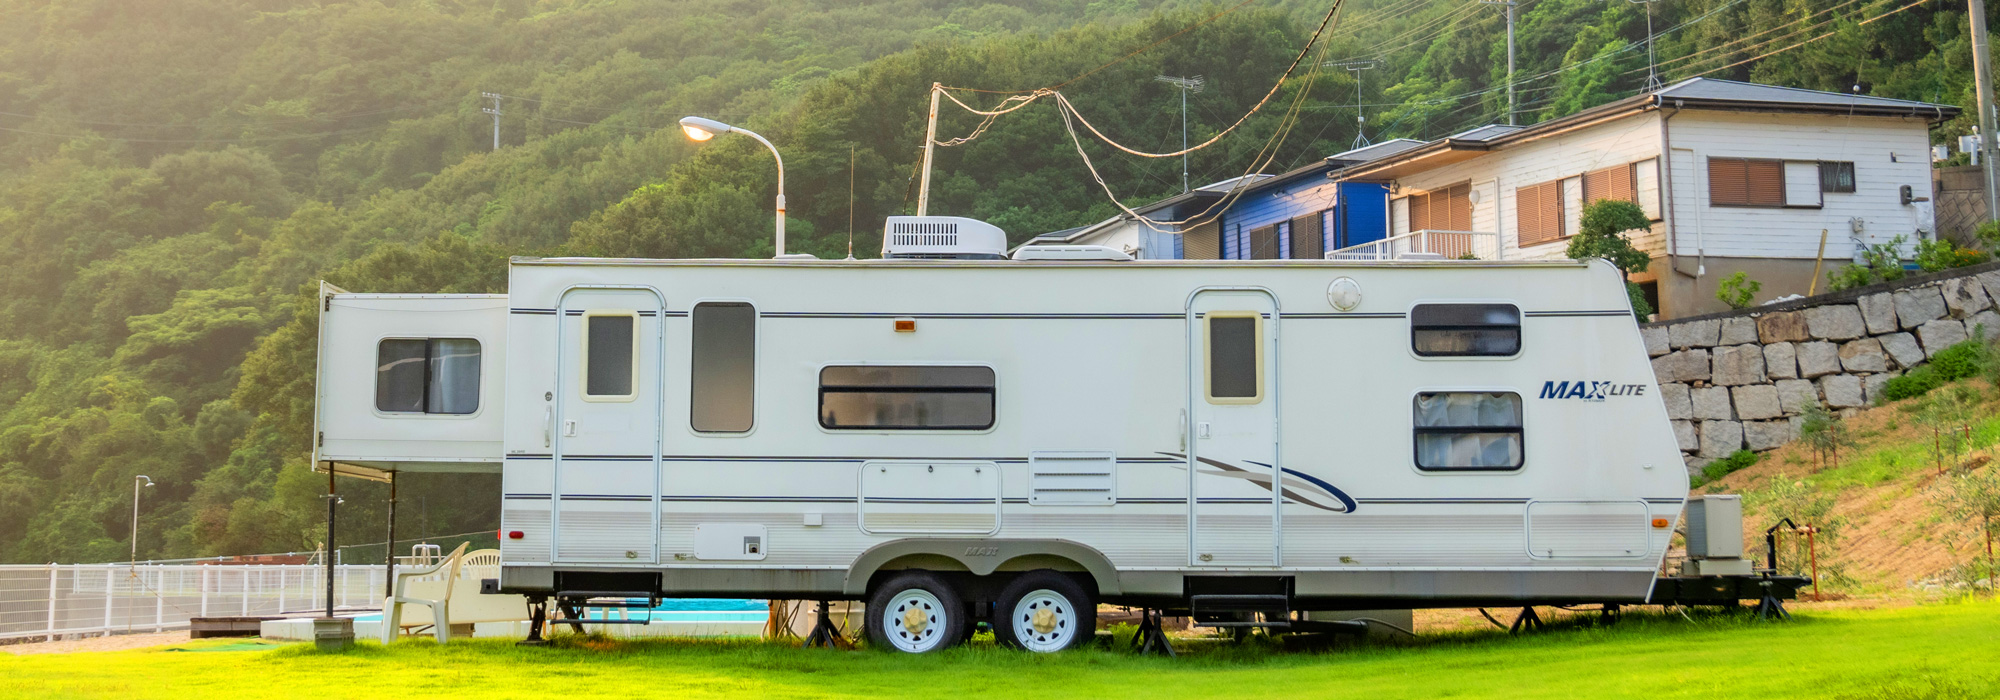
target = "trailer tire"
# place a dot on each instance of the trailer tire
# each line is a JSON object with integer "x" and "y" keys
{"x": 916, "y": 612}
{"x": 1045, "y": 612}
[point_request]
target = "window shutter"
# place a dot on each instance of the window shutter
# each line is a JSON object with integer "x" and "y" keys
{"x": 1766, "y": 182}
{"x": 1458, "y": 208}
{"x": 1614, "y": 182}
{"x": 1306, "y": 239}
{"x": 1420, "y": 212}
{"x": 1728, "y": 181}
{"x": 1264, "y": 243}
{"x": 1202, "y": 242}
{"x": 1538, "y": 213}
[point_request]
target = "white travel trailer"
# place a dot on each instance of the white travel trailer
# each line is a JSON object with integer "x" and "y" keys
{"x": 1015, "y": 441}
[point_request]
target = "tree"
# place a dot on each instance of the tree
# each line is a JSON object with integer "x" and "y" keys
{"x": 1602, "y": 235}
{"x": 1974, "y": 496}
{"x": 1823, "y": 431}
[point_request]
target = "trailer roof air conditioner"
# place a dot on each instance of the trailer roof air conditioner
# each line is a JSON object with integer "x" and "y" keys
{"x": 942, "y": 238}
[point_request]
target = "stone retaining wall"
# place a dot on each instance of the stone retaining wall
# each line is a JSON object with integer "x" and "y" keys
{"x": 1740, "y": 379}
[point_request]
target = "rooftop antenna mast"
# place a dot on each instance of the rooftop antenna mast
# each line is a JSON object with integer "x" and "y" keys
{"x": 1186, "y": 85}
{"x": 1360, "y": 120}
{"x": 1652, "y": 66}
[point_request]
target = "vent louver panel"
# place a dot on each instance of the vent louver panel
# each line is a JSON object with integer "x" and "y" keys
{"x": 924, "y": 234}
{"x": 1072, "y": 478}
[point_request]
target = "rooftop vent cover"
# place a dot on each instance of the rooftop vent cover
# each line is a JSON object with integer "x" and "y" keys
{"x": 942, "y": 238}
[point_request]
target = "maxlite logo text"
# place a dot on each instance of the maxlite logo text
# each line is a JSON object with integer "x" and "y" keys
{"x": 1590, "y": 391}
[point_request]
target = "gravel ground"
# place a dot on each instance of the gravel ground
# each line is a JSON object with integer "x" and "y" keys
{"x": 118, "y": 642}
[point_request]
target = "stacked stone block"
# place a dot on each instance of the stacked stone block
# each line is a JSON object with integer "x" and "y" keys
{"x": 1741, "y": 380}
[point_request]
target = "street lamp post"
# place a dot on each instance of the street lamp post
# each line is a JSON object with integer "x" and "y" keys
{"x": 701, "y": 129}
{"x": 136, "y": 483}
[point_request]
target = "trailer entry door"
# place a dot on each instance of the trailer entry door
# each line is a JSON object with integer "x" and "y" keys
{"x": 1233, "y": 422}
{"x": 607, "y": 422}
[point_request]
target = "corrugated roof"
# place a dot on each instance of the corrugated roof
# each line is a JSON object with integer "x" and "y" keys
{"x": 1484, "y": 133}
{"x": 1734, "y": 91}
{"x": 1380, "y": 150}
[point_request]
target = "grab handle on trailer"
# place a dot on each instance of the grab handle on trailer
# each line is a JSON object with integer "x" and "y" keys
{"x": 548, "y": 424}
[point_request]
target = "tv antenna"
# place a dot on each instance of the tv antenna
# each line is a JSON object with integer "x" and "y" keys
{"x": 1360, "y": 120}
{"x": 1186, "y": 85}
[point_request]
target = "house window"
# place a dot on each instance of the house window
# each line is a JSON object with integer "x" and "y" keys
{"x": 427, "y": 375}
{"x": 1836, "y": 176}
{"x": 1263, "y": 243}
{"x": 1307, "y": 240}
{"x": 909, "y": 397}
{"x": 1468, "y": 431}
{"x": 1235, "y": 368}
{"x": 722, "y": 389}
{"x": 1746, "y": 182}
{"x": 1538, "y": 213}
{"x": 1448, "y": 209}
{"x": 1615, "y": 182}
{"x": 1465, "y": 330}
{"x": 610, "y": 355}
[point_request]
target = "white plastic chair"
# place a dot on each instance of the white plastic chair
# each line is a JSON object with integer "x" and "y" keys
{"x": 392, "y": 609}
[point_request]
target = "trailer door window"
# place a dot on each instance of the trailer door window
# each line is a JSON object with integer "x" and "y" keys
{"x": 427, "y": 375}
{"x": 1235, "y": 365}
{"x": 610, "y": 355}
{"x": 883, "y": 397}
{"x": 1465, "y": 330}
{"x": 1468, "y": 431}
{"x": 724, "y": 362}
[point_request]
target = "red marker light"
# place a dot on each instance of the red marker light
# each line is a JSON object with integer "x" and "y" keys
{"x": 516, "y": 534}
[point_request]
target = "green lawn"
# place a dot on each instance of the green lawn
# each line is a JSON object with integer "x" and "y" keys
{"x": 1931, "y": 651}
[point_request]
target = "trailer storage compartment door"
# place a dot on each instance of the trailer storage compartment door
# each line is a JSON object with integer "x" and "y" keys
{"x": 410, "y": 382}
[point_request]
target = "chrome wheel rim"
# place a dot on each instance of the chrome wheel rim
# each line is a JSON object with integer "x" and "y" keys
{"x": 914, "y": 621}
{"x": 1044, "y": 621}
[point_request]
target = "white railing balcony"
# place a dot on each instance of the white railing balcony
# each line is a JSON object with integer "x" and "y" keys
{"x": 1426, "y": 244}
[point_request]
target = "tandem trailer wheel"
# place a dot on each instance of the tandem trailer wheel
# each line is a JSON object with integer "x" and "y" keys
{"x": 1045, "y": 612}
{"x": 916, "y": 612}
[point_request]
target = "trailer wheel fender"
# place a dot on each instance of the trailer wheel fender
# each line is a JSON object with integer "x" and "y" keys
{"x": 981, "y": 557}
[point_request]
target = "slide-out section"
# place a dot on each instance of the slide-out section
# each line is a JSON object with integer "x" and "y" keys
{"x": 410, "y": 382}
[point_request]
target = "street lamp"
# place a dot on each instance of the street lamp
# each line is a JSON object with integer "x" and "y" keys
{"x": 700, "y": 129}
{"x": 136, "y": 479}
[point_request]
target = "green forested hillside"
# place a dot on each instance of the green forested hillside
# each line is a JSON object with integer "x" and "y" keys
{"x": 175, "y": 177}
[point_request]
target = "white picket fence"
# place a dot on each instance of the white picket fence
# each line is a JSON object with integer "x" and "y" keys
{"x": 58, "y": 600}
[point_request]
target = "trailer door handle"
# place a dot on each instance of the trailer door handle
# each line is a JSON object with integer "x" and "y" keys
{"x": 548, "y": 424}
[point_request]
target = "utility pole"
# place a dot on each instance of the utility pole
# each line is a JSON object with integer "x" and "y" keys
{"x": 1186, "y": 85}
{"x": 1509, "y": 4}
{"x": 495, "y": 111}
{"x": 1982, "y": 74}
{"x": 930, "y": 139}
{"x": 1360, "y": 120}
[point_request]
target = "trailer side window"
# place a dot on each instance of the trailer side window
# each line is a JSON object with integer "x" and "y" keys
{"x": 1235, "y": 367}
{"x": 724, "y": 363}
{"x": 610, "y": 355}
{"x": 883, "y": 397}
{"x": 427, "y": 375}
{"x": 1465, "y": 330}
{"x": 1468, "y": 431}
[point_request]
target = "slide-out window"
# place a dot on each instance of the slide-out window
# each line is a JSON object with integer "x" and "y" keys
{"x": 1235, "y": 366}
{"x": 1468, "y": 431}
{"x": 427, "y": 375}
{"x": 906, "y": 397}
{"x": 610, "y": 355}
{"x": 723, "y": 386}
{"x": 1465, "y": 330}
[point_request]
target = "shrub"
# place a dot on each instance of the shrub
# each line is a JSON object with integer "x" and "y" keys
{"x": 1737, "y": 290}
{"x": 1882, "y": 262}
{"x": 1916, "y": 382}
{"x": 1958, "y": 361}
{"x": 1602, "y": 236}
{"x": 1941, "y": 254}
{"x": 1739, "y": 461}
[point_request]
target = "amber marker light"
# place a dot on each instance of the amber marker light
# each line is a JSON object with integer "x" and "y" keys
{"x": 906, "y": 325}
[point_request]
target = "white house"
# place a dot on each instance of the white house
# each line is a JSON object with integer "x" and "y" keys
{"x": 1736, "y": 176}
